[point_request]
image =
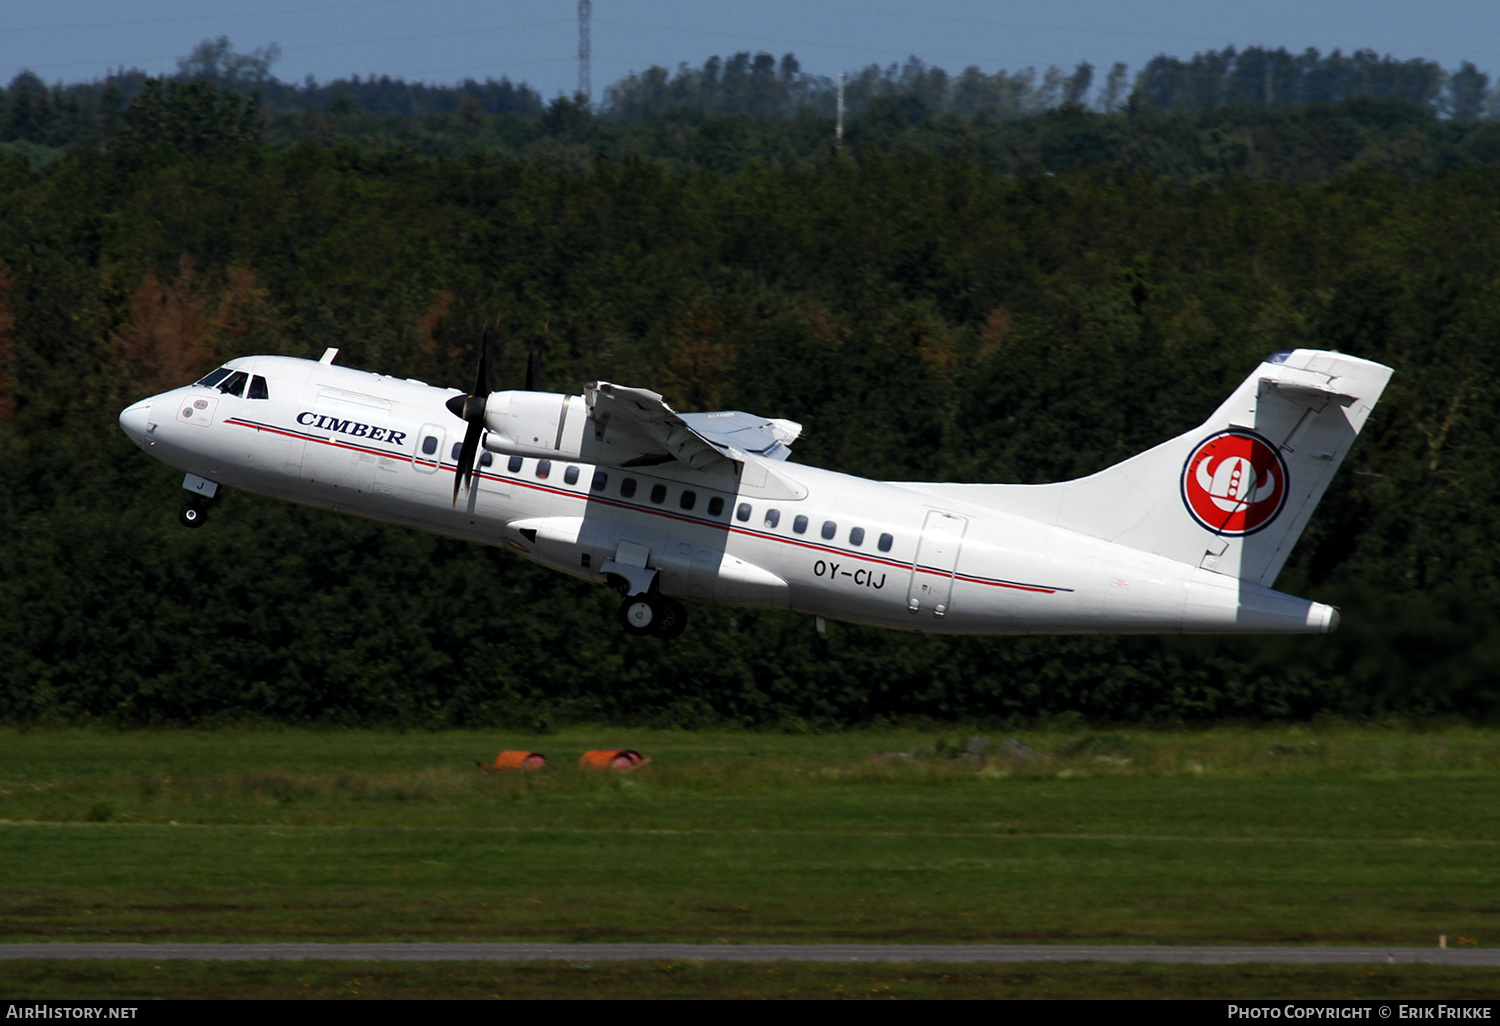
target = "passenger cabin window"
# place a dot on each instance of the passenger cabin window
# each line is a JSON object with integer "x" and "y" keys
{"x": 543, "y": 468}
{"x": 213, "y": 377}
{"x": 658, "y": 493}
{"x": 570, "y": 476}
{"x": 514, "y": 466}
{"x": 429, "y": 445}
{"x": 258, "y": 388}
{"x": 627, "y": 487}
{"x": 773, "y": 517}
{"x": 689, "y": 500}
{"x": 743, "y": 513}
{"x": 456, "y": 451}
{"x": 715, "y": 506}
{"x": 829, "y": 530}
{"x": 600, "y": 480}
{"x": 486, "y": 459}
{"x": 235, "y": 383}
{"x": 799, "y": 525}
{"x": 856, "y": 536}
{"x": 886, "y": 541}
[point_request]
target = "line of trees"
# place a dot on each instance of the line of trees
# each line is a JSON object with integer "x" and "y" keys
{"x": 762, "y": 86}
{"x": 1256, "y": 113}
{"x": 927, "y": 313}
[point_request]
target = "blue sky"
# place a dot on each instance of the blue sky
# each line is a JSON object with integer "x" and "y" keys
{"x": 536, "y": 40}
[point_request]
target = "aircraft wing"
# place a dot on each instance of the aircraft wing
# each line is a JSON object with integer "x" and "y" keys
{"x": 637, "y": 423}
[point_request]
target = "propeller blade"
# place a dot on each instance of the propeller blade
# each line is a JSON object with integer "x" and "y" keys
{"x": 486, "y": 358}
{"x": 533, "y": 370}
{"x": 471, "y": 409}
{"x": 534, "y": 362}
{"x": 465, "y": 472}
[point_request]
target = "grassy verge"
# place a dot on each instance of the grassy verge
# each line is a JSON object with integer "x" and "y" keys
{"x": 1236, "y": 836}
{"x": 694, "y": 979}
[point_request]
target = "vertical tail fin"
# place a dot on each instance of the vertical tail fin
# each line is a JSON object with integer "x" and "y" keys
{"x": 1234, "y": 494}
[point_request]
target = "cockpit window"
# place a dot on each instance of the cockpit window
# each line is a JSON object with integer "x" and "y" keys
{"x": 258, "y": 388}
{"x": 235, "y": 383}
{"x": 213, "y": 377}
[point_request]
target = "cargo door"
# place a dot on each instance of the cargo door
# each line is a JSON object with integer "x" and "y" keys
{"x": 337, "y": 452}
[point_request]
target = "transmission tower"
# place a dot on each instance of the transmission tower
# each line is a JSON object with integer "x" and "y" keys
{"x": 585, "y": 8}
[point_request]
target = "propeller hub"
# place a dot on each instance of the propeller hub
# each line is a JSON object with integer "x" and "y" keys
{"x": 468, "y": 407}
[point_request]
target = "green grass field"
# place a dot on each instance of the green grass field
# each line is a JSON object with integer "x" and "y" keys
{"x": 1339, "y": 836}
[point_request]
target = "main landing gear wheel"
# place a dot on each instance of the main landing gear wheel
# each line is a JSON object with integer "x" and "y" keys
{"x": 638, "y": 614}
{"x": 193, "y": 514}
{"x": 671, "y": 619}
{"x": 654, "y": 615}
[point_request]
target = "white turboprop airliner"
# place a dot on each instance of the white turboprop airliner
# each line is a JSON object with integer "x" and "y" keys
{"x": 614, "y": 486}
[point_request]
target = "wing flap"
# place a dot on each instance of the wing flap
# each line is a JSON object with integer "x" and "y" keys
{"x": 745, "y": 432}
{"x": 636, "y": 423}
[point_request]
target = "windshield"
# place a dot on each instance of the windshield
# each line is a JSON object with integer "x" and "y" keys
{"x": 235, "y": 383}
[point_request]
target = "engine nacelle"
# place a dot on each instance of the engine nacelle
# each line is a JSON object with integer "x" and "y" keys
{"x": 544, "y": 424}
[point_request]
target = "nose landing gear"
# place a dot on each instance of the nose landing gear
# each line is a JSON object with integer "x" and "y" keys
{"x": 654, "y": 615}
{"x": 193, "y": 513}
{"x": 201, "y": 492}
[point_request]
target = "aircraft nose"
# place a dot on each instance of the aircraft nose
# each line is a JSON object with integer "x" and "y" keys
{"x": 135, "y": 421}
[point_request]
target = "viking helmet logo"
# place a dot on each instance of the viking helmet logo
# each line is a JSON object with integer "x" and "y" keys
{"x": 1234, "y": 483}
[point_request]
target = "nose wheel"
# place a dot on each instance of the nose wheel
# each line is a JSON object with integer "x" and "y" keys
{"x": 654, "y": 615}
{"x": 194, "y": 513}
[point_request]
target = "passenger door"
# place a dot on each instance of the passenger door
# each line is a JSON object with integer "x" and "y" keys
{"x": 932, "y": 571}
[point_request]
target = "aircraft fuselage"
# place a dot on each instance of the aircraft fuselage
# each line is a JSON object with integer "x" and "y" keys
{"x": 772, "y": 534}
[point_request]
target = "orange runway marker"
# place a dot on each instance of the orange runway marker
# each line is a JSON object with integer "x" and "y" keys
{"x": 621, "y": 760}
{"x": 516, "y": 761}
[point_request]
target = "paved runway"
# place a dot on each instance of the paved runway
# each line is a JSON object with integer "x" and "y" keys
{"x": 760, "y": 953}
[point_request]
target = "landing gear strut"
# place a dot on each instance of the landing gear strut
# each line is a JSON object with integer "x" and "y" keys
{"x": 654, "y": 615}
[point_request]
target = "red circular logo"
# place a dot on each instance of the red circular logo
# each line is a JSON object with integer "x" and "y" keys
{"x": 1234, "y": 482}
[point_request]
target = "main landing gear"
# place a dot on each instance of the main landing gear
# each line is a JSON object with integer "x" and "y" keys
{"x": 654, "y": 615}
